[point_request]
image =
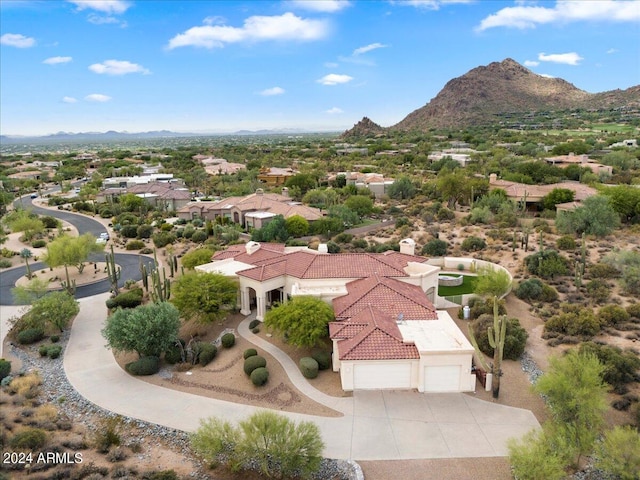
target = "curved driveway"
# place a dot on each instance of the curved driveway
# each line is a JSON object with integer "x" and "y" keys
{"x": 375, "y": 425}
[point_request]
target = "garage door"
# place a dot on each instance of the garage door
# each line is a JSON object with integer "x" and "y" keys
{"x": 442, "y": 378}
{"x": 372, "y": 377}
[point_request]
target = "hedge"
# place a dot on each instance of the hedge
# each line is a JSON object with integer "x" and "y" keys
{"x": 249, "y": 352}
{"x": 323, "y": 359}
{"x": 208, "y": 352}
{"x": 228, "y": 340}
{"x": 30, "y": 335}
{"x": 130, "y": 299}
{"x": 144, "y": 366}
{"x": 251, "y": 363}
{"x": 308, "y": 367}
{"x": 259, "y": 376}
{"x": 5, "y": 368}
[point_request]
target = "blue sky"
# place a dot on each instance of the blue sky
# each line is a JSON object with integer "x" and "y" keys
{"x": 222, "y": 66}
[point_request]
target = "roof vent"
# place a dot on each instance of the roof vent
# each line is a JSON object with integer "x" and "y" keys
{"x": 259, "y": 191}
{"x": 252, "y": 247}
{"x": 322, "y": 248}
{"x": 408, "y": 246}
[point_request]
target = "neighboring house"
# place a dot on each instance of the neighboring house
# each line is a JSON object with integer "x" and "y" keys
{"x": 563, "y": 161}
{"x": 236, "y": 209}
{"x": 376, "y": 183}
{"x": 387, "y": 332}
{"x": 630, "y": 143}
{"x": 126, "y": 182}
{"x": 219, "y": 166}
{"x": 161, "y": 195}
{"x": 462, "y": 158}
{"x": 533, "y": 194}
{"x": 274, "y": 176}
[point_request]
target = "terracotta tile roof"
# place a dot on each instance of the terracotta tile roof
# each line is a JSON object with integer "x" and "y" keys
{"x": 389, "y": 295}
{"x": 266, "y": 252}
{"x": 372, "y": 335}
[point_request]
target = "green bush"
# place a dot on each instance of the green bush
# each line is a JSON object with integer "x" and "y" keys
{"x": 259, "y": 376}
{"x": 144, "y": 231}
{"x": 547, "y": 264}
{"x": 54, "y": 351}
{"x": 634, "y": 310}
{"x": 43, "y": 350}
{"x": 535, "y": 289}
{"x": 473, "y": 244}
{"x": 166, "y": 227}
{"x": 173, "y": 354}
{"x": 249, "y": 352}
{"x": 162, "y": 239}
{"x": 129, "y": 231}
{"x": 30, "y": 335}
{"x": 5, "y": 368}
{"x": 254, "y": 323}
{"x": 598, "y": 290}
{"x": 106, "y": 213}
{"x": 479, "y": 306}
{"x": 566, "y": 242}
{"x": 251, "y": 363}
{"x": 29, "y": 439}
{"x": 228, "y": 340}
{"x": 144, "y": 366}
{"x": 435, "y": 248}
{"x": 323, "y": 359}
{"x": 130, "y": 299}
{"x": 55, "y": 338}
{"x": 5, "y": 263}
{"x": 208, "y": 352}
{"x": 620, "y": 366}
{"x": 135, "y": 245}
{"x": 38, "y": 243}
{"x": 514, "y": 342}
{"x": 603, "y": 270}
{"x": 199, "y": 236}
{"x": 613, "y": 315}
{"x": 308, "y": 367}
{"x": 574, "y": 321}
{"x": 161, "y": 475}
{"x": 49, "y": 222}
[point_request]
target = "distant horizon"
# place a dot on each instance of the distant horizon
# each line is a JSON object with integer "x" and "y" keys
{"x": 318, "y": 65}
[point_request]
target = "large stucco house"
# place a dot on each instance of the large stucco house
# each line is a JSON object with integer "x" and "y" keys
{"x": 387, "y": 333}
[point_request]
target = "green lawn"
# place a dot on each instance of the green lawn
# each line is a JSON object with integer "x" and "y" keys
{"x": 468, "y": 286}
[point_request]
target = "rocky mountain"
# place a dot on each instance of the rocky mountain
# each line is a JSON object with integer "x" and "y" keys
{"x": 365, "y": 128}
{"x": 478, "y": 96}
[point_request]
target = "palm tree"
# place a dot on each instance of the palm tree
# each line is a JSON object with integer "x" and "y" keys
{"x": 26, "y": 254}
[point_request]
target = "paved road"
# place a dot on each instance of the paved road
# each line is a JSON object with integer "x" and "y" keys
{"x": 82, "y": 223}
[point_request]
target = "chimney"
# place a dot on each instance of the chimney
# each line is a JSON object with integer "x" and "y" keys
{"x": 322, "y": 248}
{"x": 493, "y": 178}
{"x": 252, "y": 247}
{"x": 285, "y": 192}
{"x": 408, "y": 246}
{"x": 259, "y": 191}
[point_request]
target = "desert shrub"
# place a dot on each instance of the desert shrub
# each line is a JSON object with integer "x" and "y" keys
{"x": 54, "y": 338}
{"x": 144, "y": 366}
{"x": 49, "y": 222}
{"x": 108, "y": 434}
{"x": 259, "y": 376}
{"x": 359, "y": 243}
{"x": 173, "y": 354}
{"x": 228, "y": 340}
{"x": 435, "y": 248}
{"x": 515, "y": 339}
{"x": 323, "y": 358}
{"x": 603, "y": 270}
{"x": 253, "y": 362}
{"x": 199, "y": 236}
{"x": 129, "y": 231}
{"x": 28, "y": 439}
{"x": 333, "y": 247}
{"x": 445, "y": 214}
{"x": 135, "y": 245}
{"x": 620, "y": 366}
{"x": 162, "y": 239}
{"x": 479, "y": 306}
{"x": 146, "y": 251}
{"x": 161, "y": 475}
{"x": 598, "y": 290}
{"x": 308, "y": 367}
{"x": 43, "y": 350}
{"x": 117, "y": 455}
{"x": 535, "y": 289}
{"x": 249, "y": 352}
{"x": 166, "y": 227}
{"x": 38, "y": 243}
{"x": 613, "y": 315}
{"x": 30, "y": 335}
{"x": 54, "y": 351}
{"x": 547, "y": 264}
{"x": 574, "y": 321}
{"x": 255, "y": 330}
{"x": 130, "y": 299}
{"x": 634, "y": 310}
{"x": 343, "y": 238}
{"x": 208, "y": 352}
{"x": 5, "y": 263}
{"x": 144, "y": 231}
{"x": 5, "y": 368}
{"x": 254, "y": 323}
{"x": 566, "y": 242}
{"x": 473, "y": 244}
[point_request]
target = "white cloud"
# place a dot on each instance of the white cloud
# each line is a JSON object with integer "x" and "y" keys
{"x": 331, "y": 64}
{"x": 105, "y": 6}
{"x": 334, "y": 111}
{"x": 57, "y": 60}
{"x": 270, "y": 92}
{"x": 529, "y": 16}
{"x": 69, "y": 100}
{"x": 257, "y": 28}
{"x": 326, "y": 6}
{"x": 531, "y": 63}
{"x": 99, "y": 20}
{"x": 368, "y": 48}
{"x": 428, "y": 4}
{"x": 17, "y": 40}
{"x": 571, "y": 58}
{"x": 612, "y": 50}
{"x": 214, "y": 20}
{"x": 118, "y": 67}
{"x": 334, "y": 79}
{"x": 97, "y": 97}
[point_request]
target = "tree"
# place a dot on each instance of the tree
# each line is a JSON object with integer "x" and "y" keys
{"x": 576, "y": 396}
{"x": 547, "y": 264}
{"x": 402, "y": 188}
{"x": 196, "y": 257}
{"x": 618, "y": 454}
{"x": 205, "y": 297}
{"x": 27, "y": 254}
{"x": 556, "y": 196}
{"x": 58, "y": 308}
{"x": 303, "y": 320}
{"x": 297, "y": 226}
{"x": 23, "y": 221}
{"x": 302, "y": 182}
{"x": 147, "y": 330}
{"x": 596, "y": 217}
{"x": 536, "y": 457}
{"x": 435, "y": 248}
{"x": 275, "y": 230}
{"x": 130, "y": 202}
{"x": 347, "y": 217}
{"x": 494, "y": 283}
{"x": 625, "y": 200}
{"x": 29, "y": 293}
{"x": 66, "y": 250}
{"x": 280, "y": 447}
{"x": 360, "y": 204}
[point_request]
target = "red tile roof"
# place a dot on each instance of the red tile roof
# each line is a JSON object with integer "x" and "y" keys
{"x": 371, "y": 335}
{"x": 389, "y": 295}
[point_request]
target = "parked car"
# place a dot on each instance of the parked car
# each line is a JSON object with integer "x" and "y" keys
{"x": 104, "y": 235}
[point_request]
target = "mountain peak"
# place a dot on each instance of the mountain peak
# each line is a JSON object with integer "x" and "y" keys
{"x": 364, "y": 128}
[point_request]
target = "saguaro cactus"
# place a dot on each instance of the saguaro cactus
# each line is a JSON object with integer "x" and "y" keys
{"x": 113, "y": 271}
{"x": 497, "y": 335}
